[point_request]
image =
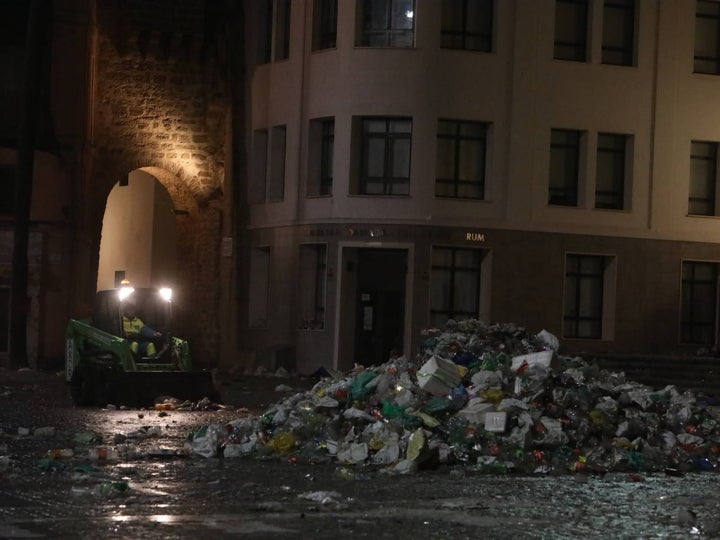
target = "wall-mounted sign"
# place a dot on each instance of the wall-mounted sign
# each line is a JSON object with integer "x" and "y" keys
{"x": 475, "y": 237}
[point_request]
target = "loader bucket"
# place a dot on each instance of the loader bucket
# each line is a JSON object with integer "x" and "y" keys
{"x": 145, "y": 388}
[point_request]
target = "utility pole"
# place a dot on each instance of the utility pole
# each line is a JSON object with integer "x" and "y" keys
{"x": 38, "y": 30}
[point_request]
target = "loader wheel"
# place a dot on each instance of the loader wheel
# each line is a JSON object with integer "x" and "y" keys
{"x": 82, "y": 388}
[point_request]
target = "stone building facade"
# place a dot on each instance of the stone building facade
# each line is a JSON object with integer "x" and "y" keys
{"x": 137, "y": 86}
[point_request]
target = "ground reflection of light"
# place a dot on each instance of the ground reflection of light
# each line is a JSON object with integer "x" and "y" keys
{"x": 164, "y": 518}
{"x": 121, "y": 519}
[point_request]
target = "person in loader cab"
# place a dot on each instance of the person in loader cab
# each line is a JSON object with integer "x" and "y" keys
{"x": 138, "y": 333}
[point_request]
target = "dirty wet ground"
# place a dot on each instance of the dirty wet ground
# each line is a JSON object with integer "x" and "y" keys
{"x": 154, "y": 490}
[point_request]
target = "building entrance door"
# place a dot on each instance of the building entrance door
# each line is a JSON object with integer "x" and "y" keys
{"x": 379, "y": 304}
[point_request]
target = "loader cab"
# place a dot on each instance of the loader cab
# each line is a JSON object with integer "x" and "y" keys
{"x": 152, "y": 306}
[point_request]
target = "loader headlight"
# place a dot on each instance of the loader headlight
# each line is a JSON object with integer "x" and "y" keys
{"x": 166, "y": 294}
{"x": 124, "y": 292}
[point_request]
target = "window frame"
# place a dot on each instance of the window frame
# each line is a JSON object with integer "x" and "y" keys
{"x": 438, "y": 315}
{"x": 618, "y": 151}
{"x": 257, "y": 188}
{"x": 710, "y": 195}
{"x": 707, "y": 63}
{"x": 281, "y": 40}
{"x": 458, "y": 142}
{"x": 275, "y": 183}
{"x": 455, "y": 32}
{"x": 564, "y": 189}
{"x": 622, "y": 54}
{"x": 576, "y": 285}
{"x": 324, "y": 24}
{"x": 693, "y": 327}
{"x": 571, "y": 48}
{"x": 321, "y": 155}
{"x": 264, "y": 35}
{"x": 388, "y": 35}
{"x": 390, "y": 140}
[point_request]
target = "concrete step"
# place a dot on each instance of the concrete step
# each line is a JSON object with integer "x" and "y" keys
{"x": 697, "y": 373}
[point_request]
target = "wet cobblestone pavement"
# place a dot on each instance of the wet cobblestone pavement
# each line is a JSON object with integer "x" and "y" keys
{"x": 156, "y": 491}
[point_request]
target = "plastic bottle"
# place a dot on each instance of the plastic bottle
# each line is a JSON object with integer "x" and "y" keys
{"x": 103, "y": 454}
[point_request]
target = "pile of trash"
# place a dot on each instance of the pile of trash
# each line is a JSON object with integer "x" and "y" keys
{"x": 485, "y": 397}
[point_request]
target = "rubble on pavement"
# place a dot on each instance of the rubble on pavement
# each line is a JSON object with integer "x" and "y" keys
{"x": 490, "y": 398}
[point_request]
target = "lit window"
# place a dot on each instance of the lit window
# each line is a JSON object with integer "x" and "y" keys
{"x": 386, "y": 23}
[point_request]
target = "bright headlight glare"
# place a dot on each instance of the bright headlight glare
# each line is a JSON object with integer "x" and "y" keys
{"x": 166, "y": 293}
{"x": 124, "y": 292}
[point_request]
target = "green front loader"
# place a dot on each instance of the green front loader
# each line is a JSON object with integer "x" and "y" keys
{"x": 103, "y": 367}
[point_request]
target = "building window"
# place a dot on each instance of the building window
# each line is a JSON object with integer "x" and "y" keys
{"x": 313, "y": 280}
{"x": 259, "y": 287}
{"x": 610, "y": 171}
{"x": 467, "y": 24}
{"x": 564, "y": 167}
{"x": 454, "y": 284}
{"x": 256, "y": 188}
{"x": 7, "y": 189}
{"x": 703, "y": 178}
{"x": 324, "y": 24}
{"x": 618, "y": 38}
{"x": 282, "y": 30}
{"x": 4, "y": 319}
{"x": 385, "y": 156}
{"x": 584, "y": 293}
{"x": 699, "y": 302}
{"x": 386, "y": 23}
{"x": 322, "y": 143}
{"x": 264, "y": 29}
{"x": 461, "y": 154}
{"x": 707, "y": 37}
{"x": 276, "y": 173}
{"x": 571, "y": 30}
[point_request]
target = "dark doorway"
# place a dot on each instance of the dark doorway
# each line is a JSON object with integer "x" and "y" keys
{"x": 380, "y": 304}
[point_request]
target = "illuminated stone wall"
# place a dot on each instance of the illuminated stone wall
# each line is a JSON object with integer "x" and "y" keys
{"x": 160, "y": 103}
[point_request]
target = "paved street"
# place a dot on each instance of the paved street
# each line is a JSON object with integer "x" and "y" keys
{"x": 152, "y": 489}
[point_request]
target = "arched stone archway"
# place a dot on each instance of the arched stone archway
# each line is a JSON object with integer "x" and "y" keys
{"x": 152, "y": 231}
